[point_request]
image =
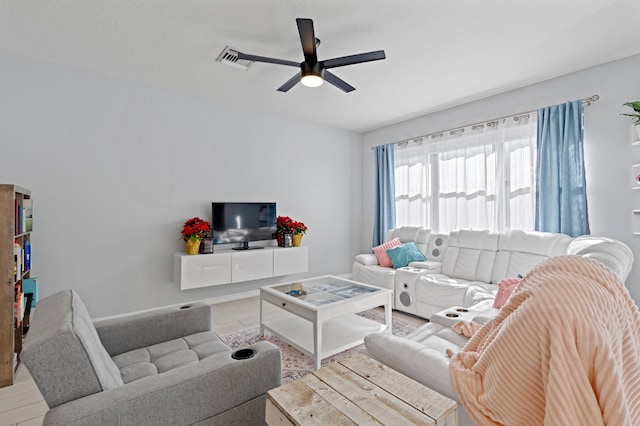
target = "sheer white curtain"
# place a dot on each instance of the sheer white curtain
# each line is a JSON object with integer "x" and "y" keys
{"x": 411, "y": 183}
{"x": 466, "y": 190}
{"x": 520, "y": 143}
{"x": 479, "y": 177}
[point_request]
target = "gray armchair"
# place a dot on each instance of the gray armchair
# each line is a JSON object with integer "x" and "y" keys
{"x": 163, "y": 367}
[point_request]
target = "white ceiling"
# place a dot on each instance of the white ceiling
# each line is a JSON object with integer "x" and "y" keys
{"x": 439, "y": 53}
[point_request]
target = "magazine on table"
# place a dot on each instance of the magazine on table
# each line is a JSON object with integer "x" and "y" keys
{"x": 319, "y": 299}
{"x": 353, "y": 291}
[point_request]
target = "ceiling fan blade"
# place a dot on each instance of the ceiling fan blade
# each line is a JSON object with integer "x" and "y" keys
{"x": 354, "y": 59}
{"x": 267, "y": 60}
{"x": 308, "y": 39}
{"x": 338, "y": 82}
{"x": 290, "y": 83}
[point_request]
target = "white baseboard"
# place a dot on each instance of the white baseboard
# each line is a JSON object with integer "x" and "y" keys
{"x": 234, "y": 296}
{"x": 210, "y": 301}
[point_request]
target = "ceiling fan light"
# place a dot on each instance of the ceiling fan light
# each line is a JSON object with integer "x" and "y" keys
{"x": 311, "y": 74}
{"x": 311, "y": 80}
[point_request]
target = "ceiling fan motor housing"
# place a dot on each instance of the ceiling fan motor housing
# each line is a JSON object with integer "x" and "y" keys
{"x": 312, "y": 69}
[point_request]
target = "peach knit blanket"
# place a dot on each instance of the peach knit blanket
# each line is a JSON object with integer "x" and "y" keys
{"x": 564, "y": 350}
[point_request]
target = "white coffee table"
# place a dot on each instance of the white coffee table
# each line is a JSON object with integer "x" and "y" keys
{"x": 319, "y": 314}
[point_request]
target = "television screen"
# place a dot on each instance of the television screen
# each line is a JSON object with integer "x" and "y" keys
{"x": 243, "y": 222}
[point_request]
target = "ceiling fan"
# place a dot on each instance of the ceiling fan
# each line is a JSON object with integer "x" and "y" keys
{"x": 313, "y": 72}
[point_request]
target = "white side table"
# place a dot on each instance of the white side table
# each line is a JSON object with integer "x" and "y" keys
{"x": 405, "y": 288}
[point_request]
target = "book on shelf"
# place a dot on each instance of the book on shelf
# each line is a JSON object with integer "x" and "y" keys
{"x": 27, "y": 256}
{"x": 18, "y": 215}
{"x": 30, "y": 285}
{"x": 18, "y": 257}
{"x": 20, "y": 308}
{"x": 26, "y": 313}
{"x": 27, "y": 210}
{"x": 18, "y": 305}
{"x": 16, "y": 315}
{"x": 23, "y": 306}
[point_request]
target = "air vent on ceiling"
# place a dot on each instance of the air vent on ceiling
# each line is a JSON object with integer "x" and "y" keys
{"x": 229, "y": 56}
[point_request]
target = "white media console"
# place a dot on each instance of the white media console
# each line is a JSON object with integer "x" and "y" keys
{"x": 232, "y": 266}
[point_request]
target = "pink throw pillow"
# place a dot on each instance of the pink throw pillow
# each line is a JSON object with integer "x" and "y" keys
{"x": 381, "y": 252}
{"x": 505, "y": 288}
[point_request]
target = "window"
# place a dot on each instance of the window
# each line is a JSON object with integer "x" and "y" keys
{"x": 480, "y": 177}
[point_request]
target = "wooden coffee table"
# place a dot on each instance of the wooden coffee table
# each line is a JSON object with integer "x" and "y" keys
{"x": 358, "y": 390}
{"x": 318, "y": 315}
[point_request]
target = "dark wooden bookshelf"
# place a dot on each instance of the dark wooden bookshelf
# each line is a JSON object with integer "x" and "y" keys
{"x": 11, "y": 230}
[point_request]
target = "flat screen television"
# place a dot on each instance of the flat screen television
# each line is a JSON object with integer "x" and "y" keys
{"x": 243, "y": 223}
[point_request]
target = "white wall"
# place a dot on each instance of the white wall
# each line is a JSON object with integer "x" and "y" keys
{"x": 115, "y": 168}
{"x": 607, "y": 144}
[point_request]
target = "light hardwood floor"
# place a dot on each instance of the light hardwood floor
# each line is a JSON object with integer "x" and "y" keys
{"x": 22, "y": 403}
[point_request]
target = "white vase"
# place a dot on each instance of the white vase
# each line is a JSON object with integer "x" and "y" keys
{"x": 637, "y": 132}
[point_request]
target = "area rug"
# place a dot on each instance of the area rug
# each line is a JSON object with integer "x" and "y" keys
{"x": 296, "y": 364}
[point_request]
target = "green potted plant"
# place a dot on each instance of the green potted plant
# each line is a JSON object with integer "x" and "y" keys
{"x": 635, "y": 105}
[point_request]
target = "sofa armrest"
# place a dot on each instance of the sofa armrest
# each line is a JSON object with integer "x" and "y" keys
{"x": 413, "y": 359}
{"x": 135, "y": 331}
{"x": 430, "y": 265}
{"x": 185, "y": 395}
{"x": 367, "y": 259}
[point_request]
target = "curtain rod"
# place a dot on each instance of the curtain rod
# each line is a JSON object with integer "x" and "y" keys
{"x": 588, "y": 101}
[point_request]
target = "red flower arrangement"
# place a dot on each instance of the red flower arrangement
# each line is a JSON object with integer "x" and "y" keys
{"x": 282, "y": 224}
{"x": 298, "y": 228}
{"x": 195, "y": 229}
{"x": 286, "y": 225}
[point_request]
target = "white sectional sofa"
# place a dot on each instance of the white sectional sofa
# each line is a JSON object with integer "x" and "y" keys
{"x": 463, "y": 268}
{"x": 421, "y": 355}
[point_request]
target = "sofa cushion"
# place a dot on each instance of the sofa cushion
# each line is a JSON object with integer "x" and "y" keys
{"x": 405, "y": 233}
{"x": 69, "y": 341}
{"x": 381, "y": 252}
{"x": 416, "y": 234}
{"x": 166, "y": 356}
{"x": 470, "y": 255}
{"x": 519, "y": 251}
{"x": 440, "y": 291}
{"x": 404, "y": 254}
